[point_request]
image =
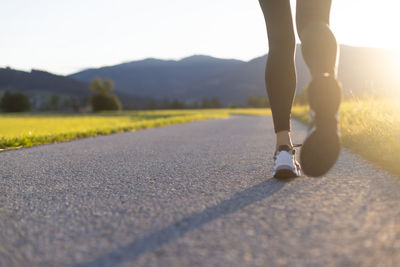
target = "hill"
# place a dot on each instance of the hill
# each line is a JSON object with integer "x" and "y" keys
{"x": 41, "y": 85}
{"x": 361, "y": 70}
{"x": 164, "y": 78}
{"x": 138, "y": 83}
{"x": 41, "y": 81}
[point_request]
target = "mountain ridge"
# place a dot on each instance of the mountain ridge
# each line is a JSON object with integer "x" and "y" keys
{"x": 361, "y": 71}
{"x": 233, "y": 80}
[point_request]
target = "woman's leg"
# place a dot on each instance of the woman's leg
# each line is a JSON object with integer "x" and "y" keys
{"x": 319, "y": 45}
{"x": 280, "y": 73}
{"x": 322, "y": 146}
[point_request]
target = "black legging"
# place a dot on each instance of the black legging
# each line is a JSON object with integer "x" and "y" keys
{"x": 319, "y": 49}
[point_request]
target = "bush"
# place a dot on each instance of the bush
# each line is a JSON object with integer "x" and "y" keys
{"x": 176, "y": 104}
{"x": 205, "y": 103}
{"x": 234, "y": 105}
{"x": 213, "y": 103}
{"x": 14, "y": 102}
{"x": 254, "y": 101}
{"x": 105, "y": 102}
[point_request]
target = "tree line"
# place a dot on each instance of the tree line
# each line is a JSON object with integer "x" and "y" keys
{"x": 103, "y": 99}
{"x": 167, "y": 103}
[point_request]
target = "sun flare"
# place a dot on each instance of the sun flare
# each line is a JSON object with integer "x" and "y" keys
{"x": 367, "y": 23}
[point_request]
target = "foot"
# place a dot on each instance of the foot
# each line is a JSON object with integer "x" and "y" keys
{"x": 321, "y": 147}
{"x": 286, "y": 165}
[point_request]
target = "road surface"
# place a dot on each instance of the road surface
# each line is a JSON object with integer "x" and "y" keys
{"x": 196, "y": 194}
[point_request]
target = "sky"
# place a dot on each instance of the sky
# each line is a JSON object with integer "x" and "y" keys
{"x": 64, "y": 37}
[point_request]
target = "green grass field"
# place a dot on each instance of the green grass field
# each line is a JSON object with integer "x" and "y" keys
{"x": 369, "y": 127}
{"x": 22, "y": 130}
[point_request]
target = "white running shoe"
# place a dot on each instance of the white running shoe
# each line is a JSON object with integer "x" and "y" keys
{"x": 286, "y": 165}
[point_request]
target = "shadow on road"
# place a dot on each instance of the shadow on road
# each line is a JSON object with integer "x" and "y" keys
{"x": 154, "y": 240}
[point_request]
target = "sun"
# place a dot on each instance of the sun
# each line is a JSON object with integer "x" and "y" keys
{"x": 367, "y": 23}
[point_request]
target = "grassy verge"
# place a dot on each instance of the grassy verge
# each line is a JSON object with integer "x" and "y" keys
{"x": 22, "y": 130}
{"x": 369, "y": 127}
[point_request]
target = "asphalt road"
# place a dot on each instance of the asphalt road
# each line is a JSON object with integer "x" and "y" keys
{"x": 197, "y": 194}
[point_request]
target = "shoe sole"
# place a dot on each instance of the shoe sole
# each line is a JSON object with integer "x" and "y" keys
{"x": 322, "y": 147}
{"x": 285, "y": 174}
{"x": 319, "y": 153}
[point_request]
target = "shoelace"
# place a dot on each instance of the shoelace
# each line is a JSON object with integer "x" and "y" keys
{"x": 295, "y": 161}
{"x": 293, "y": 150}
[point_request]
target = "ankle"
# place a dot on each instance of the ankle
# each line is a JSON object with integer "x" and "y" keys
{"x": 283, "y": 138}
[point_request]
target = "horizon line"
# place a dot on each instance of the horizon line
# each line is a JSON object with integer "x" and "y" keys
{"x": 176, "y": 59}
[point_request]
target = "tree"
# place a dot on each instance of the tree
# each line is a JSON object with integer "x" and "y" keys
{"x": 54, "y": 102}
{"x": 165, "y": 104}
{"x": 15, "y": 102}
{"x": 234, "y": 105}
{"x": 195, "y": 105}
{"x": 103, "y": 99}
{"x": 176, "y": 104}
{"x": 105, "y": 102}
{"x": 101, "y": 86}
{"x": 215, "y": 103}
{"x": 205, "y": 103}
{"x": 255, "y": 101}
{"x": 152, "y": 104}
